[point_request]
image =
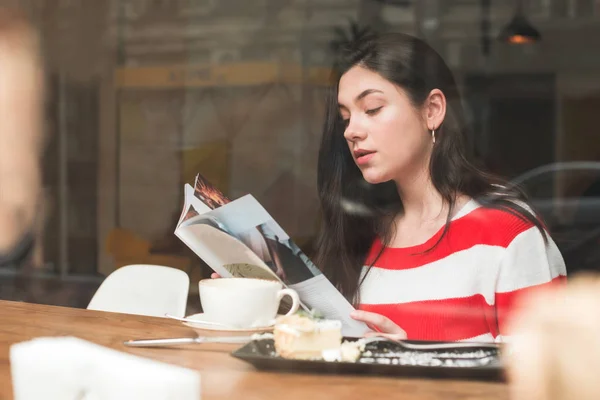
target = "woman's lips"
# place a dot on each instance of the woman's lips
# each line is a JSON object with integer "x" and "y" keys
{"x": 364, "y": 157}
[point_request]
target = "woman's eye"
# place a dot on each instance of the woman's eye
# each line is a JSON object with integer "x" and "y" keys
{"x": 373, "y": 111}
{"x": 346, "y": 122}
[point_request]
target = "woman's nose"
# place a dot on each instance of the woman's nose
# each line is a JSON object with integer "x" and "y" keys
{"x": 354, "y": 131}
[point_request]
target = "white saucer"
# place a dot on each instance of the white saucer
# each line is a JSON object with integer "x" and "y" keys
{"x": 214, "y": 330}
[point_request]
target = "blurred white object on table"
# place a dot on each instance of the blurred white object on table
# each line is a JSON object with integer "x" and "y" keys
{"x": 71, "y": 368}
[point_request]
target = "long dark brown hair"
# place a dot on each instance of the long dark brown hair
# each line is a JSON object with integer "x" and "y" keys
{"x": 356, "y": 212}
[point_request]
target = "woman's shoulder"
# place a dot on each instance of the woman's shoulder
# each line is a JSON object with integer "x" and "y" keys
{"x": 495, "y": 225}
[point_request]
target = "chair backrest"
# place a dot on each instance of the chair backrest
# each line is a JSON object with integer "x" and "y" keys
{"x": 143, "y": 290}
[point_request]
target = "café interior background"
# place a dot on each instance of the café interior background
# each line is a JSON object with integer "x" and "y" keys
{"x": 143, "y": 94}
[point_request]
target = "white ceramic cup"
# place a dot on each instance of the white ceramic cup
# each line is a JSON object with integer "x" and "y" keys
{"x": 244, "y": 302}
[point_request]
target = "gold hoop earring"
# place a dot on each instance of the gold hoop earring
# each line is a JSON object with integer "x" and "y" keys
{"x": 433, "y": 135}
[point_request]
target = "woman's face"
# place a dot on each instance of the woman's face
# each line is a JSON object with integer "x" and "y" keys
{"x": 387, "y": 136}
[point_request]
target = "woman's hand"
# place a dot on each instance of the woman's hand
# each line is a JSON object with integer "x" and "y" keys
{"x": 383, "y": 326}
{"x": 214, "y": 275}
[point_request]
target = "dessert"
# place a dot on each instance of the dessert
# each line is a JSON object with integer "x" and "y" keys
{"x": 347, "y": 352}
{"x": 302, "y": 337}
{"x": 351, "y": 351}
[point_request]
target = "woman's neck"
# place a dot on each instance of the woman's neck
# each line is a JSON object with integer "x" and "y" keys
{"x": 420, "y": 198}
{"x": 425, "y": 212}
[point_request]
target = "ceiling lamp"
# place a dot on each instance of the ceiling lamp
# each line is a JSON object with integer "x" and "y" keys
{"x": 519, "y": 30}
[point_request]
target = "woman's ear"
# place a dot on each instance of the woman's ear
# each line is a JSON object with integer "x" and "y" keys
{"x": 435, "y": 109}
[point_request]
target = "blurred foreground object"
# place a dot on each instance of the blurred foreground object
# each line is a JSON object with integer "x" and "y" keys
{"x": 556, "y": 343}
{"x": 68, "y": 367}
{"x": 21, "y": 119}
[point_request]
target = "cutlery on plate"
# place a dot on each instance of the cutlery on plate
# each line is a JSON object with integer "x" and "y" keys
{"x": 434, "y": 346}
{"x": 187, "y": 340}
{"x": 199, "y": 322}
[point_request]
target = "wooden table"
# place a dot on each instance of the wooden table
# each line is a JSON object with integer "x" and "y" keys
{"x": 222, "y": 376}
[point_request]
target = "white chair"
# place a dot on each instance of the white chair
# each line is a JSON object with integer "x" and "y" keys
{"x": 151, "y": 290}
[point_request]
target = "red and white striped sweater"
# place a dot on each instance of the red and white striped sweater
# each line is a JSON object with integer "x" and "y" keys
{"x": 464, "y": 288}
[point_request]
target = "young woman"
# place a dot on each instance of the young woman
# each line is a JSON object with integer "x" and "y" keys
{"x": 425, "y": 244}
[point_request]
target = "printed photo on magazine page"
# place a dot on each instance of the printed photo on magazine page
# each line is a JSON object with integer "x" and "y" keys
{"x": 209, "y": 194}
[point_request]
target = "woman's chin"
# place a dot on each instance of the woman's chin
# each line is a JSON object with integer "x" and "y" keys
{"x": 374, "y": 178}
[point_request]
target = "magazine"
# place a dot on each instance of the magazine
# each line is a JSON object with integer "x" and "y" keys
{"x": 240, "y": 239}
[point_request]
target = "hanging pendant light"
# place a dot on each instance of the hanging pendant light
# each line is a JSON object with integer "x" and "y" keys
{"x": 519, "y": 30}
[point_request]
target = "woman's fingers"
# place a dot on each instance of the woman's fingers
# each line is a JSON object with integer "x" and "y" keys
{"x": 379, "y": 323}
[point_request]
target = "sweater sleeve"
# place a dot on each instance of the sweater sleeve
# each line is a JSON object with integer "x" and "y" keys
{"x": 528, "y": 264}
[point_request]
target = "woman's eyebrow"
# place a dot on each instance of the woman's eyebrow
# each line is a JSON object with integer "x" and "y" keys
{"x": 361, "y": 96}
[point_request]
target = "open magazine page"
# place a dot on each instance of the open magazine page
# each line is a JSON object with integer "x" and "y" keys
{"x": 198, "y": 201}
{"x": 224, "y": 253}
{"x": 192, "y": 205}
{"x": 246, "y": 220}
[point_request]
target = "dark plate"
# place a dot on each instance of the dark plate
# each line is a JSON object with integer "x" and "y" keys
{"x": 387, "y": 359}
